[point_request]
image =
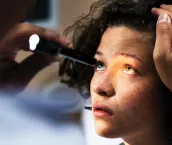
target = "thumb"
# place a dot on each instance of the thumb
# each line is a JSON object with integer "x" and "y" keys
{"x": 163, "y": 44}
{"x": 163, "y": 48}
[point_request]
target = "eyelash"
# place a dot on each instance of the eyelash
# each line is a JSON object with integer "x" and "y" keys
{"x": 103, "y": 65}
{"x": 99, "y": 63}
{"x": 132, "y": 68}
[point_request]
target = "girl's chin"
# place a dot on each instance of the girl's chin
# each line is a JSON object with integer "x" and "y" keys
{"x": 106, "y": 130}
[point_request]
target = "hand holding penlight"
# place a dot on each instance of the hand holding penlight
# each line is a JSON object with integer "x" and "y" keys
{"x": 38, "y": 44}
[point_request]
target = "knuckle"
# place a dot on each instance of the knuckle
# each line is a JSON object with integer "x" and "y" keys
{"x": 24, "y": 27}
{"x": 163, "y": 28}
{"x": 26, "y": 24}
{"x": 163, "y": 56}
{"x": 158, "y": 57}
{"x": 27, "y": 28}
{"x": 159, "y": 60}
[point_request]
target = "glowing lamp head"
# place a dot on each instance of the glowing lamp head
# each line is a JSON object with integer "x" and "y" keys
{"x": 33, "y": 41}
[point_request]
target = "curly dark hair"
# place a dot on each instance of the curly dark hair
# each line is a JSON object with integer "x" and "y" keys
{"x": 88, "y": 29}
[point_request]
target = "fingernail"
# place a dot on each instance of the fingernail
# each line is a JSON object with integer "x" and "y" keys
{"x": 164, "y": 18}
{"x": 154, "y": 8}
{"x": 51, "y": 33}
{"x": 163, "y": 5}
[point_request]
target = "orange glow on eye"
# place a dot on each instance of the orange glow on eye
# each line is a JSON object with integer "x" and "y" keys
{"x": 123, "y": 64}
{"x": 128, "y": 69}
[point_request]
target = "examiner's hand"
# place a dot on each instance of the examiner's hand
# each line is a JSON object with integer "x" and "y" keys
{"x": 15, "y": 76}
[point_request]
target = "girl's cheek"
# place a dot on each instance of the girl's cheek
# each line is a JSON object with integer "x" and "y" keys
{"x": 129, "y": 90}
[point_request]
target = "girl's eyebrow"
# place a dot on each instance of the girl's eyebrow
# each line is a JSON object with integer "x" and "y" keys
{"x": 99, "y": 53}
{"x": 132, "y": 56}
{"x": 123, "y": 54}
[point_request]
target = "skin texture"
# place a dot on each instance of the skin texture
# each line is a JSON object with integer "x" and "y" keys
{"x": 126, "y": 82}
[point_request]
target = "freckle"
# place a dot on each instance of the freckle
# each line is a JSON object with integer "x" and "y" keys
{"x": 138, "y": 124}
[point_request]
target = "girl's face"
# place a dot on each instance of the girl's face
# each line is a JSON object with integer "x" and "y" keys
{"x": 125, "y": 88}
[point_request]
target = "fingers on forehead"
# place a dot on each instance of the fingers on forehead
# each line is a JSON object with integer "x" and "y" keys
{"x": 158, "y": 11}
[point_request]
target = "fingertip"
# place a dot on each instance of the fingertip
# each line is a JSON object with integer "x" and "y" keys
{"x": 155, "y": 11}
{"x": 70, "y": 45}
{"x": 66, "y": 41}
{"x": 54, "y": 36}
{"x": 164, "y": 18}
{"x": 63, "y": 40}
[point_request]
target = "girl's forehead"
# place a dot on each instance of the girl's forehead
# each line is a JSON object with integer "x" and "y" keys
{"x": 124, "y": 40}
{"x": 128, "y": 34}
{"x": 125, "y": 37}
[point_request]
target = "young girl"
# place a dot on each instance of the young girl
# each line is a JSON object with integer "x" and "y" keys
{"x": 129, "y": 100}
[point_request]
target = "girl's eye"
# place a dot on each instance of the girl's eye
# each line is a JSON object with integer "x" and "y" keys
{"x": 100, "y": 66}
{"x": 129, "y": 70}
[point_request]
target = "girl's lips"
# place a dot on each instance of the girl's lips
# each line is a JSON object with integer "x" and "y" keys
{"x": 101, "y": 111}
